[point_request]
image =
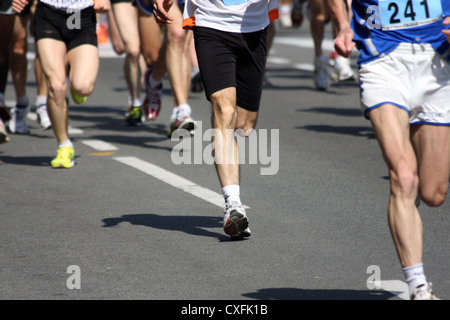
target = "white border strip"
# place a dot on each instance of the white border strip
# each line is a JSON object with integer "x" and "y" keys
{"x": 99, "y": 145}
{"x": 173, "y": 180}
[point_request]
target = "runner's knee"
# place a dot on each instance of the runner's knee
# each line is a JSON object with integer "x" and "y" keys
{"x": 434, "y": 196}
{"x": 404, "y": 181}
{"x": 57, "y": 87}
{"x": 176, "y": 37}
{"x": 83, "y": 88}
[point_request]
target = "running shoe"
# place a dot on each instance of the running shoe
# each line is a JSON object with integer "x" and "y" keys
{"x": 77, "y": 98}
{"x": 285, "y": 16}
{"x": 153, "y": 98}
{"x": 235, "y": 221}
{"x": 18, "y": 123}
{"x": 133, "y": 116}
{"x": 64, "y": 158}
{"x": 423, "y": 292}
{"x": 3, "y": 135}
{"x": 321, "y": 77}
{"x": 182, "y": 122}
{"x": 42, "y": 117}
{"x": 342, "y": 69}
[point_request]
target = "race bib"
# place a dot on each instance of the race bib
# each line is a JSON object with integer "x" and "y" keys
{"x": 235, "y": 2}
{"x": 401, "y": 14}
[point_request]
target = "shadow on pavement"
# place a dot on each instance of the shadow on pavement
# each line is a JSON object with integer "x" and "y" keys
{"x": 194, "y": 225}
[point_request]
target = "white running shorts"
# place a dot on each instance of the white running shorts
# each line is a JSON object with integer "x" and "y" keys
{"x": 413, "y": 77}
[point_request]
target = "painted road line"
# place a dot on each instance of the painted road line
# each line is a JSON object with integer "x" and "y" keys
{"x": 173, "y": 180}
{"x": 99, "y": 145}
{"x": 278, "y": 60}
{"x": 304, "y": 42}
{"x": 309, "y": 67}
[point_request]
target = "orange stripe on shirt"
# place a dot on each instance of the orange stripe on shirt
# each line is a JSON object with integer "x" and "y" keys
{"x": 273, "y": 14}
{"x": 188, "y": 23}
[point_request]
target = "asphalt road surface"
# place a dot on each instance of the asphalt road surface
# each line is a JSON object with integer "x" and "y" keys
{"x": 130, "y": 222}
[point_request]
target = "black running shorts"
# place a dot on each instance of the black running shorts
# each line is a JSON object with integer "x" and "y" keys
{"x": 228, "y": 59}
{"x": 73, "y": 28}
{"x": 6, "y": 7}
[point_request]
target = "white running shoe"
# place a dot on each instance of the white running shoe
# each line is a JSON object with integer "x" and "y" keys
{"x": 423, "y": 292}
{"x": 18, "y": 124}
{"x": 182, "y": 120}
{"x": 235, "y": 221}
{"x": 185, "y": 122}
{"x": 42, "y": 117}
{"x": 285, "y": 16}
{"x": 342, "y": 68}
{"x": 321, "y": 77}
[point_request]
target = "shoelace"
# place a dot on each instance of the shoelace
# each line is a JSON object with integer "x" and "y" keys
{"x": 20, "y": 114}
{"x": 153, "y": 95}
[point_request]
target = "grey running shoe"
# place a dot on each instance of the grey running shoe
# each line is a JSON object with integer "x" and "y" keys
{"x": 321, "y": 76}
{"x": 423, "y": 292}
{"x": 235, "y": 221}
{"x": 18, "y": 123}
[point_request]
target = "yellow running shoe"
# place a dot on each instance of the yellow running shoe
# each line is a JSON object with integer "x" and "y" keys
{"x": 76, "y": 98}
{"x": 64, "y": 158}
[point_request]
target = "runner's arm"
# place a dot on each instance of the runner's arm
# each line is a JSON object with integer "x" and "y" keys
{"x": 18, "y": 5}
{"x": 161, "y": 7}
{"x": 344, "y": 39}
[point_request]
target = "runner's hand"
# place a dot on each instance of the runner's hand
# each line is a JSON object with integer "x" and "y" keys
{"x": 343, "y": 42}
{"x": 160, "y": 9}
{"x": 18, "y": 5}
{"x": 102, "y": 5}
{"x": 447, "y": 32}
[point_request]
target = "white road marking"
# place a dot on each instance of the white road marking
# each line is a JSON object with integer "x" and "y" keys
{"x": 173, "y": 180}
{"x": 304, "y": 42}
{"x": 99, "y": 145}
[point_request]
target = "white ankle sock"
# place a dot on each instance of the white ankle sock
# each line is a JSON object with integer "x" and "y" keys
{"x": 66, "y": 143}
{"x": 231, "y": 193}
{"x": 415, "y": 276}
{"x": 152, "y": 82}
{"x": 22, "y": 101}
{"x": 40, "y": 100}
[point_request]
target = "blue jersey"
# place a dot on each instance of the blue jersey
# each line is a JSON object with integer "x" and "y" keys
{"x": 380, "y": 25}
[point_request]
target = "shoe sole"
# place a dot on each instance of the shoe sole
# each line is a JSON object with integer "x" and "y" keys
{"x": 236, "y": 225}
{"x": 242, "y": 235}
{"x": 61, "y": 166}
{"x": 189, "y": 126}
{"x": 44, "y": 127}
